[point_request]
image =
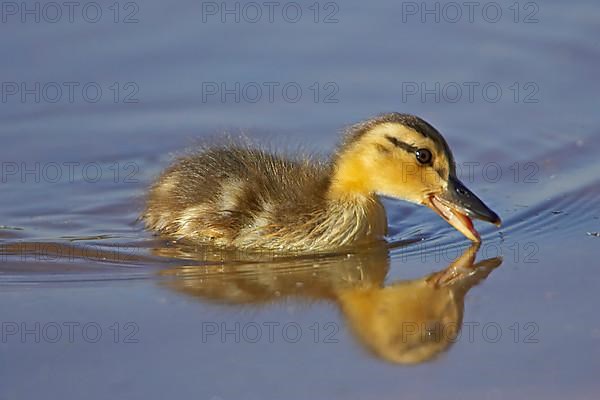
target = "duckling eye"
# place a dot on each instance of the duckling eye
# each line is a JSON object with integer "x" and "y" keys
{"x": 423, "y": 156}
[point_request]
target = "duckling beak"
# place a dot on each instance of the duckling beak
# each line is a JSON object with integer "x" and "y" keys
{"x": 458, "y": 205}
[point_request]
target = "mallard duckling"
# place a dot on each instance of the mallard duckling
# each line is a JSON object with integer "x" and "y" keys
{"x": 238, "y": 196}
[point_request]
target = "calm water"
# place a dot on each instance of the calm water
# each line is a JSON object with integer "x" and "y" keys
{"x": 93, "y": 306}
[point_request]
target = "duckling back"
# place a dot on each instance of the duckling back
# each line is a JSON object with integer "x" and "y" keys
{"x": 237, "y": 196}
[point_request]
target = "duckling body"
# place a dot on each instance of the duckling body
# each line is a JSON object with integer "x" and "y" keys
{"x": 234, "y": 195}
{"x": 247, "y": 198}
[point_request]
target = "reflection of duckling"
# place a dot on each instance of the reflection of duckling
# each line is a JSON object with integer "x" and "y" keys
{"x": 236, "y": 196}
{"x": 272, "y": 280}
{"x": 405, "y": 322}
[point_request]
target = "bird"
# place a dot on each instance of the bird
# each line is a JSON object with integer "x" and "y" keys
{"x": 234, "y": 194}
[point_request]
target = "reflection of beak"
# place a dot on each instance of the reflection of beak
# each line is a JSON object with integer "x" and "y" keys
{"x": 464, "y": 272}
{"x": 458, "y": 205}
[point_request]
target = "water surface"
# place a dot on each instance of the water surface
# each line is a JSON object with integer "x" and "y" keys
{"x": 140, "y": 317}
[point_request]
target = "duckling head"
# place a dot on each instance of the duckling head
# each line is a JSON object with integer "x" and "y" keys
{"x": 404, "y": 157}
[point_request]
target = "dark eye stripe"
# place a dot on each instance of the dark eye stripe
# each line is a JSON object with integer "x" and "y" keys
{"x": 400, "y": 144}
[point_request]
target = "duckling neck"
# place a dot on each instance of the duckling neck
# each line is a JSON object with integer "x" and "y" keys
{"x": 349, "y": 180}
{"x": 356, "y": 208}
{"x": 354, "y": 220}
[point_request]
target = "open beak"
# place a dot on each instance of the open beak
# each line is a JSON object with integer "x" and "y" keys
{"x": 458, "y": 205}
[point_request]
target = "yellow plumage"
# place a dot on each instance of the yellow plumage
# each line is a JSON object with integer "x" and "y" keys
{"x": 234, "y": 195}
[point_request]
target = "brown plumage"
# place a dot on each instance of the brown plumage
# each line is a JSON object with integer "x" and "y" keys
{"x": 237, "y": 195}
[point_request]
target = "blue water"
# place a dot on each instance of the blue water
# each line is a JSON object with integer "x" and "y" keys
{"x": 74, "y": 256}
